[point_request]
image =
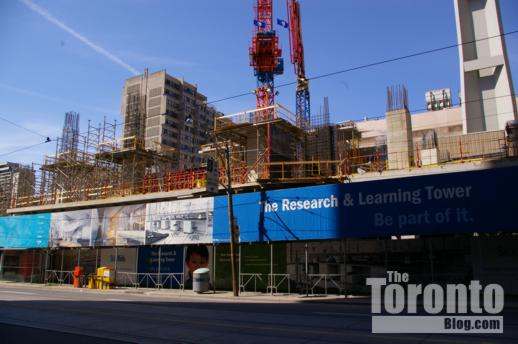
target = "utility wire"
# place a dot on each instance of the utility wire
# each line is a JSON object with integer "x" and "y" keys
{"x": 24, "y": 128}
{"x": 27, "y": 147}
{"x": 373, "y": 64}
{"x": 413, "y": 111}
{"x": 365, "y": 66}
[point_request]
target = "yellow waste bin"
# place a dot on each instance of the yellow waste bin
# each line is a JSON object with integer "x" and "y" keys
{"x": 105, "y": 278}
{"x": 108, "y": 278}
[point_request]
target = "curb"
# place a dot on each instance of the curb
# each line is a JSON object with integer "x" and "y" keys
{"x": 221, "y": 296}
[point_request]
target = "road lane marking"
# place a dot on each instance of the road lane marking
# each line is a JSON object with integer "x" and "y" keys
{"x": 118, "y": 300}
{"x": 16, "y": 292}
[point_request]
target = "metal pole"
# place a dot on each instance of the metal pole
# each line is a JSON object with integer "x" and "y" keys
{"x": 79, "y": 256}
{"x": 183, "y": 266}
{"x": 239, "y": 266}
{"x": 116, "y": 258}
{"x": 96, "y": 259}
{"x": 159, "y": 263}
{"x": 271, "y": 267}
{"x": 306, "y": 269}
{"x": 136, "y": 261}
{"x": 32, "y": 264}
{"x": 40, "y": 264}
{"x": 214, "y": 268}
{"x": 46, "y": 265}
{"x": 61, "y": 269}
{"x": 115, "y": 265}
{"x": 235, "y": 287}
{"x": 2, "y": 265}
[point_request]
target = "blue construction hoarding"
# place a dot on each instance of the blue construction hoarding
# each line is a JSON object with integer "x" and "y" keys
{"x": 452, "y": 203}
{"x": 448, "y": 203}
{"x": 26, "y": 231}
{"x": 170, "y": 258}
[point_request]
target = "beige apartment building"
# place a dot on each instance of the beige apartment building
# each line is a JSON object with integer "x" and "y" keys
{"x": 166, "y": 115}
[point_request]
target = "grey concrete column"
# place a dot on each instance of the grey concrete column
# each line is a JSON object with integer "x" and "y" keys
{"x": 400, "y": 146}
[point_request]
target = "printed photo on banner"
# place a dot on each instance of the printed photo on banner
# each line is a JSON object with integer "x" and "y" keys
{"x": 180, "y": 222}
{"x": 196, "y": 257}
{"x": 74, "y": 228}
{"x": 123, "y": 226}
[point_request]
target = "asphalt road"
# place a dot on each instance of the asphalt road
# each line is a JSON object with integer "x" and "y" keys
{"x": 42, "y": 315}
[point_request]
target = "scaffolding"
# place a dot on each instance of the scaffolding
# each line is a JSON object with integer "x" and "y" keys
{"x": 266, "y": 146}
{"x": 257, "y": 139}
{"x": 96, "y": 166}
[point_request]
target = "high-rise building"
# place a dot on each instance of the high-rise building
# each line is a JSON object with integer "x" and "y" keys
{"x": 16, "y": 180}
{"x": 487, "y": 94}
{"x": 166, "y": 115}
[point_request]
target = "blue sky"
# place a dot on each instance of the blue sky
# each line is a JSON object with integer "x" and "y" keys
{"x": 46, "y": 70}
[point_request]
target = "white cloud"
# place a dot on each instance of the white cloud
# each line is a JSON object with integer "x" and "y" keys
{"x": 45, "y": 14}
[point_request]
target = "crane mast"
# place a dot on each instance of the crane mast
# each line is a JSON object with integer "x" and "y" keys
{"x": 302, "y": 102}
{"x": 265, "y": 54}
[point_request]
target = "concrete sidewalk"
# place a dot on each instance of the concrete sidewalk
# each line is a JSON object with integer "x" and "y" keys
{"x": 218, "y": 295}
{"x": 511, "y": 302}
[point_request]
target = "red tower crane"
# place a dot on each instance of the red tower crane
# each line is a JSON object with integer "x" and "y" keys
{"x": 266, "y": 58}
{"x": 297, "y": 58}
{"x": 265, "y": 54}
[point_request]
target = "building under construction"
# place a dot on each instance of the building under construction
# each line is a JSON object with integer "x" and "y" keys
{"x": 268, "y": 146}
{"x": 166, "y": 122}
{"x": 260, "y": 141}
{"x": 135, "y": 201}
